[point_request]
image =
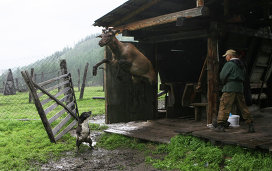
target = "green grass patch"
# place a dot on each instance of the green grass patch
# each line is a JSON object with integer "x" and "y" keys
{"x": 191, "y": 153}
{"x": 98, "y": 127}
{"x": 24, "y": 145}
{"x": 114, "y": 141}
{"x": 23, "y": 142}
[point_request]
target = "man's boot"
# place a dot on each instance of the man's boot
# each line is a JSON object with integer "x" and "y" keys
{"x": 251, "y": 127}
{"x": 220, "y": 127}
{"x": 226, "y": 125}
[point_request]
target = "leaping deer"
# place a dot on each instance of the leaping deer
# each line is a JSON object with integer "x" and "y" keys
{"x": 126, "y": 54}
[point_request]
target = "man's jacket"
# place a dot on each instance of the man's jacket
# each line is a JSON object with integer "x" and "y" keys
{"x": 233, "y": 75}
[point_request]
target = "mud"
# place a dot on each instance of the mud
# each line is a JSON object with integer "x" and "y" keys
{"x": 98, "y": 158}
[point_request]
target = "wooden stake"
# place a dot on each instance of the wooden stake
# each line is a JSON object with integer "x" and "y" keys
{"x": 84, "y": 80}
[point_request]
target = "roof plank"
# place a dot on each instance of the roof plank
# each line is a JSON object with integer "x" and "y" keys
{"x": 164, "y": 19}
{"x": 134, "y": 13}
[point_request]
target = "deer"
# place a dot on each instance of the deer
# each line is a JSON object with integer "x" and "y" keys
{"x": 127, "y": 56}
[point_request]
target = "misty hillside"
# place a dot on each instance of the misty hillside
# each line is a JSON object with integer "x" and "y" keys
{"x": 86, "y": 50}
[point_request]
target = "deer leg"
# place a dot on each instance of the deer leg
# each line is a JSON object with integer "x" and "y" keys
{"x": 125, "y": 65}
{"x": 90, "y": 142}
{"x": 98, "y": 64}
{"x": 78, "y": 142}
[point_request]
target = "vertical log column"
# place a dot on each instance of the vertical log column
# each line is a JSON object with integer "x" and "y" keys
{"x": 32, "y": 76}
{"x": 78, "y": 82}
{"x": 63, "y": 69}
{"x": 83, "y": 81}
{"x": 212, "y": 77}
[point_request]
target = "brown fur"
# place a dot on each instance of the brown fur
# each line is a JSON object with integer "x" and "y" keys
{"x": 128, "y": 55}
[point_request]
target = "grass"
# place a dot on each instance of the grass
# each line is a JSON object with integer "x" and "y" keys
{"x": 191, "y": 153}
{"x": 25, "y": 145}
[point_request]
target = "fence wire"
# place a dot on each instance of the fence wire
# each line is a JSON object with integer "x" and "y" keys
{"x": 15, "y": 94}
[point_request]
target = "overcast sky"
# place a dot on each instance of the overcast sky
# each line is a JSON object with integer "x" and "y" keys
{"x": 34, "y": 29}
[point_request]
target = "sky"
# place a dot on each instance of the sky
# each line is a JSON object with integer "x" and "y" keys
{"x": 33, "y": 29}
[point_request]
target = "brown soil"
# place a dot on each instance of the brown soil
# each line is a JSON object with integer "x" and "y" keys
{"x": 98, "y": 158}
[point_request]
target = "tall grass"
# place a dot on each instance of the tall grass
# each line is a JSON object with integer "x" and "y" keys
{"x": 23, "y": 140}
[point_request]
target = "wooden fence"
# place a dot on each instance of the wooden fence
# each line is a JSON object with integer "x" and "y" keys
{"x": 66, "y": 116}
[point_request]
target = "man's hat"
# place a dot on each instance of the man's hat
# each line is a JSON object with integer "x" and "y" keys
{"x": 230, "y": 52}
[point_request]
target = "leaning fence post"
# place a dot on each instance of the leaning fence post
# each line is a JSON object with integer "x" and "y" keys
{"x": 83, "y": 81}
{"x": 78, "y": 83}
{"x": 31, "y": 75}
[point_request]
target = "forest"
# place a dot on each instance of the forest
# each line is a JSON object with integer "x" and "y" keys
{"x": 86, "y": 50}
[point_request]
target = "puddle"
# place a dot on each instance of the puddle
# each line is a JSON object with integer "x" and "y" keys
{"x": 98, "y": 158}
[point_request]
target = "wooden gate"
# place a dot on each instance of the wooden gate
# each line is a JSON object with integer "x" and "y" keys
{"x": 58, "y": 112}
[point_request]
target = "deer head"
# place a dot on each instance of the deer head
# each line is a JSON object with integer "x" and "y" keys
{"x": 107, "y": 35}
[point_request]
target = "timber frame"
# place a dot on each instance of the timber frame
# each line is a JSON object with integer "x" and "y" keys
{"x": 66, "y": 117}
{"x": 199, "y": 32}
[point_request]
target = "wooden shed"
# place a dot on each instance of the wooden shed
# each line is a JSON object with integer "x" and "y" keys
{"x": 185, "y": 41}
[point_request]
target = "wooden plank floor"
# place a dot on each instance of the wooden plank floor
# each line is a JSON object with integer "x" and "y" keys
{"x": 163, "y": 130}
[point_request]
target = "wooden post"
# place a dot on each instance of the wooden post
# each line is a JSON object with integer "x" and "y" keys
{"x": 17, "y": 84}
{"x": 78, "y": 83}
{"x": 59, "y": 88}
{"x": 226, "y": 7}
{"x": 42, "y": 77}
{"x": 83, "y": 81}
{"x": 103, "y": 77}
{"x": 64, "y": 70}
{"x": 31, "y": 75}
{"x": 35, "y": 77}
{"x": 212, "y": 74}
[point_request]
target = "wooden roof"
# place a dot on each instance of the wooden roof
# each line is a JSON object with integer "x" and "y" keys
{"x": 151, "y": 18}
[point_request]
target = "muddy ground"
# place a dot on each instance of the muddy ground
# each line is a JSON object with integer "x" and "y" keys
{"x": 98, "y": 158}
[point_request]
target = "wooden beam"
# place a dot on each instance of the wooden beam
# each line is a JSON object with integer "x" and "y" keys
{"x": 177, "y": 36}
{"x": 163, "y": 19}
{"x": 249, "y": 32}
{"x": 212, "y": 74}
{"x": 134, "y": 13}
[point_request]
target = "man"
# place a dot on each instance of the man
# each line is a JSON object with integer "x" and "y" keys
{"x": 232, "y": 75}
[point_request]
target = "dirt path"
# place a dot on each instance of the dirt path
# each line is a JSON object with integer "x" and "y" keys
{"x": 100, "y": 159}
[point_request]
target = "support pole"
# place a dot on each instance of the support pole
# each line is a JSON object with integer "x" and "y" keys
{"x": 78, "y": 83}
{"x": 212, "y": 74}
{"x": 64, "y": 70}
{"x": 84, "y": 80}
{"x": 32, "y": 76}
